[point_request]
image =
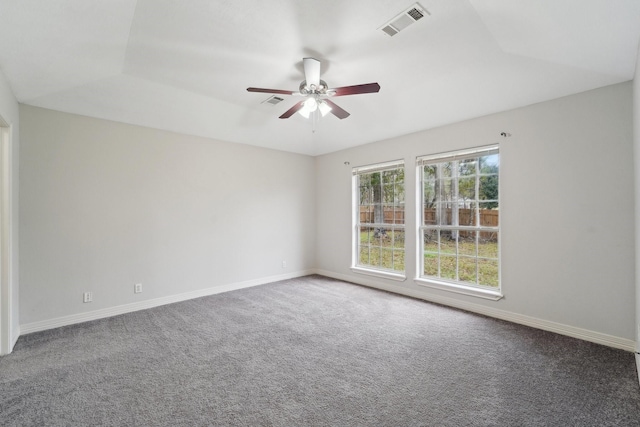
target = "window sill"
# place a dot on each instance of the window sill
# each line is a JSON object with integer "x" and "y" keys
{"x": 460, "y": 289}
{"x": 379, "y": 273}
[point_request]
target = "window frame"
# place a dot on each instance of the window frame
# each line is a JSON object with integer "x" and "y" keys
{"x": 356, "y": 224}
{"x": 452, "y": 285}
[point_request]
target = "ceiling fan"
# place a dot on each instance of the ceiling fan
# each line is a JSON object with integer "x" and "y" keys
{"x": 317, "y": 92}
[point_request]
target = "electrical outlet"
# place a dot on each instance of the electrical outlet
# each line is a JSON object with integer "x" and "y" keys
{"x": 87, "y": 297}
{"x": 137, "y": 288}
{"x": 284, "y": 264}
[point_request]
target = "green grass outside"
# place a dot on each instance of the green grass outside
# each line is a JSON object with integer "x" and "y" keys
{"x": 484, "y": 273}
{"x": 387, "y": 252}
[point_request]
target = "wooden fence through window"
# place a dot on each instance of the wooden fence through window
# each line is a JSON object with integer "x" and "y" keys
{"x": 488, "y": 217}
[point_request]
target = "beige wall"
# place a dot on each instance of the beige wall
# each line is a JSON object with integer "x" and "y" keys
{"x": 567, "y": 211}
{"x": 106, "y": 205}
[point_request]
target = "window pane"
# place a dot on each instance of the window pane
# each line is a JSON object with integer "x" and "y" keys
{"x": 488, "y": 244}
{"x": 462, "y": 216}
{"x": 366, "y": 196}
{"x": 430, "y": 216}
{"x": 467, "y": 269}
{"x": 443, "y": 213}
{"x": 365, "y": 235}
{"x": 488, "y": 189}
{"x": 489, "y": 217}
{"x": 365, "y": 190}
{"x": 467, "y": 243}
{"x": 467, "y": 215}
{"x": 375, "y": 259}
{"x": 398, "y": 260}
{"x": 375, "y": 179}
{"x": 363, "y": 258}
{"x": 447, "y": 242}
{"x": 429, "y": 193}
{"x": 445, "y": 169}
{"x": 366, "y": 214}
{"x": 467, "y": 189}
{"x": 393, "y": 176}
{"x": 374, "y": 214}
{"x": 398, "y": 196}
{"x": 467, "y": 167}
{"x": 488, "y": 272}
{"x": 446, "y": 190}
{"x": 430, "y": 240}
{"x": 397, "y": 237}
{"x": 377, "y": 236}
{"x": 489, "y": 164}
{"x": 430, "y": 264}
{"x": 448, "y": 267}
{"x": 429, "y": 172}
{"x": 386, "y": 237}
{"x": 393, "y": 214}
{"x": 387, "y": 258}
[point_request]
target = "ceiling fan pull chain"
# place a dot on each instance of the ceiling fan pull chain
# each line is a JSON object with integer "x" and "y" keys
{"x": 314, "y": 121}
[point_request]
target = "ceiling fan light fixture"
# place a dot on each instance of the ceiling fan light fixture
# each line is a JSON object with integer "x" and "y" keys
{"x": 308, "y": 107}
{"x": 311, "y": 104}
{"x": 324, "y": 108}
{"x": 304, "y": 112}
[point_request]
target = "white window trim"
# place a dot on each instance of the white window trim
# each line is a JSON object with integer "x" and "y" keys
{"x": 377, "y": 167}
{"x": 434, "y": 283}
{"x": 457, "y": 155}
{"x": 379, "y": 273}
{"x": 459, "y": 289}
{"x": 355, "y": 219}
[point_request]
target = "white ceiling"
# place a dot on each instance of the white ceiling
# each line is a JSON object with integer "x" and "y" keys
{"x": 184, "y": 66}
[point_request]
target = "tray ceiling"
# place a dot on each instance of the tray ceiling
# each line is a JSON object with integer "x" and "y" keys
{"x": 185, "y": 66}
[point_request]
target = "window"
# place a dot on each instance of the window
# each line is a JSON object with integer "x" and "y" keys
{"x": 378, "y": 233}
{"x": 459, "y": 221}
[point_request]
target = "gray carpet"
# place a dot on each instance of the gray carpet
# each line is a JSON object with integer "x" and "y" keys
{"x": 313, "y": 352}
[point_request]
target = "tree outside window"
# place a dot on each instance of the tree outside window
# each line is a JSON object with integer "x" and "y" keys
{"x": 379, "y": 229}
{"x": 459, "y": 228}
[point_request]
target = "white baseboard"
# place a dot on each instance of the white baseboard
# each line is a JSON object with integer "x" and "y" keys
{"x": 584, "y": 334}
{"x": 143, "y": 305}
{"x": 14, "y": 338}
{"x": 546, "y": 325}
{"x": 638, "y": 365}
{"x": 6, "y": 347}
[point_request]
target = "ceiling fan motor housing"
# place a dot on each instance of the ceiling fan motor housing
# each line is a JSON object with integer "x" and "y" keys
{"x": 308, "y": 90}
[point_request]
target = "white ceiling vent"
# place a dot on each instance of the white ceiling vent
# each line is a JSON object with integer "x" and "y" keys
{"x": 273, "y": 100}
{"x": 404, "y": 19}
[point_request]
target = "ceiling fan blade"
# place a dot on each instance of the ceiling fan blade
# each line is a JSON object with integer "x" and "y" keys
{"x": 291, "y": 111}
{"x": 278, "y": 91}
{"x": 355, "y": 90}
{"x": 337, "y": 111}
{"x": 311, "y": 71}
